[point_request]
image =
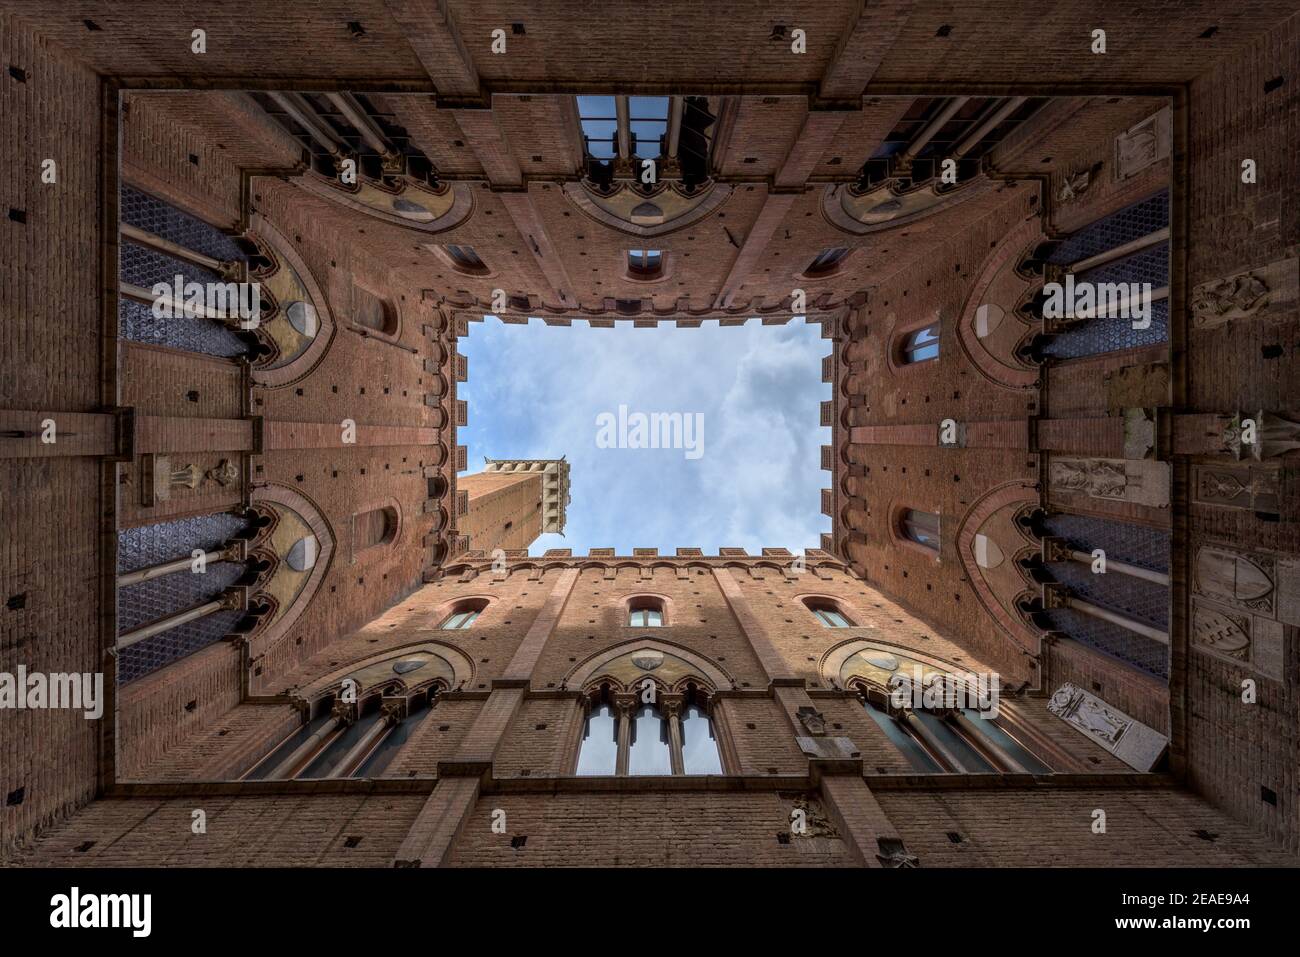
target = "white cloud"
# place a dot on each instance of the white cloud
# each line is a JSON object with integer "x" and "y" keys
{"x": 536, "y": 391}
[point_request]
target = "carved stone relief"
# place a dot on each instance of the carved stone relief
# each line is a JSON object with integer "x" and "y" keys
{"x": 1144, "y": 144}
{"x": 1242, "y": 581}
{"x": 1274, "y": 435}
{"x": 1246, "y": 295}
{"x": 1145, "y": 386}
{"x": 1076, "y": 184}
{"x": 1137, "y": 745}
{"x": 1288, "y": 591}
{"x": 1253, "y": 489}
{"x": 1139, "y": 433}
{"x": 1143, "y": 483}
{"x": 816, "y": 821}
{"x": 1221, "y": 633}
{"x": 1251, "y": 641}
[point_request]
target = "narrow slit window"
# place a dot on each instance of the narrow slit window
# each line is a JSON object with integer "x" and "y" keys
{"x": 699, "y": 746}
{"x": 827, "y": 261}
{"x": 996, "y": 734}
{"x": 375, "y": 527}
{"x": 921, "y": 527}
{"x": 647, "y": 618}
{"x": 459, "y": 620}
{"x": 465, "y": 258}
{"x": 921, "y": 345}
{"x": 648, "y": 750}
{"x": 645, "y": 263}
{"x": 829, "y": 614}
{"x": 899, "y": 737}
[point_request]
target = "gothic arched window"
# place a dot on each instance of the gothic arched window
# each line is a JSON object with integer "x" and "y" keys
{"x": 634, "y": 734}
{"x": 946, "y": 739}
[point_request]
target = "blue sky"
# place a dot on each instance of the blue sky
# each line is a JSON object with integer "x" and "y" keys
{"x": 536, "y": 391}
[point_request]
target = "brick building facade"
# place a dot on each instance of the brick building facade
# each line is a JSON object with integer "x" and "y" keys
{"x": 355, "y": 680}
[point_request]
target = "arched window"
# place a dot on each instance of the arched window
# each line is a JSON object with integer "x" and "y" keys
{"x": 920, "y": 345}
{"x": 827, "y": 261}
{"x": 877, "y": 707}
{"x": 645, "y": 612}
{"x": 371, "y": 312}
{"x": 700, "y": 753}
{"x": 599, "y": 118}
{"x": 465, "y": 259}
{"x": 598, "y": 752}
{"x": 628, "y": 735}
{"x": 463, "y": 614}
{"x": 645, "y": 263}
{"x": 159, "y": 241}
{"x": 633, "y": 126}
{"x": 828, "y": 612}
{"x": 649, "y": 749}
{"x": 378, "y": 526}
{"x": 920, "y": 527}
{"x": 648, "y": 125}
{"x": 956, "y": 739}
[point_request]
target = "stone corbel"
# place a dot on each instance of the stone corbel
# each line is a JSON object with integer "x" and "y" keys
{"x": 344, "y": 712}
{"x": 1140, "y": 434}
{"x": 160, "y": 477}
{"x": 1271, "y": 436}
{"x": 1056, "y": 550}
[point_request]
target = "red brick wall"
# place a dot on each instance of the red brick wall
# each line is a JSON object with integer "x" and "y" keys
{"x": 498, "y": 498}
{"x": 1235, "y": 750}
{"x": 49, "y": 508}
{"x": 687, "y": 829}
{"x": 245, "y": 831}
{"x": 1051, "y": 827}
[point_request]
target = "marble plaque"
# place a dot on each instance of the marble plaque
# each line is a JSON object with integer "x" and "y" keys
{"x": 828, "y": 747}
{"x": 1127, "y": 738}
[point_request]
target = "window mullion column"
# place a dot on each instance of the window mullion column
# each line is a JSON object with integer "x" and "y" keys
{"x": 671, "y": 706}
{"x": 994, "y": 753}
{"x": 931, "y": 742}
{"x": 624, "y": 705}
{"x": 624, "y": 142}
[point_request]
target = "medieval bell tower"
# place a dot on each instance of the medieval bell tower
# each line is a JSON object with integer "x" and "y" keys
{"x": 512, "y": 501}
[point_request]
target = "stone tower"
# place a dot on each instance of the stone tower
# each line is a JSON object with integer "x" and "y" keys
{"x": 512, "y": 501}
